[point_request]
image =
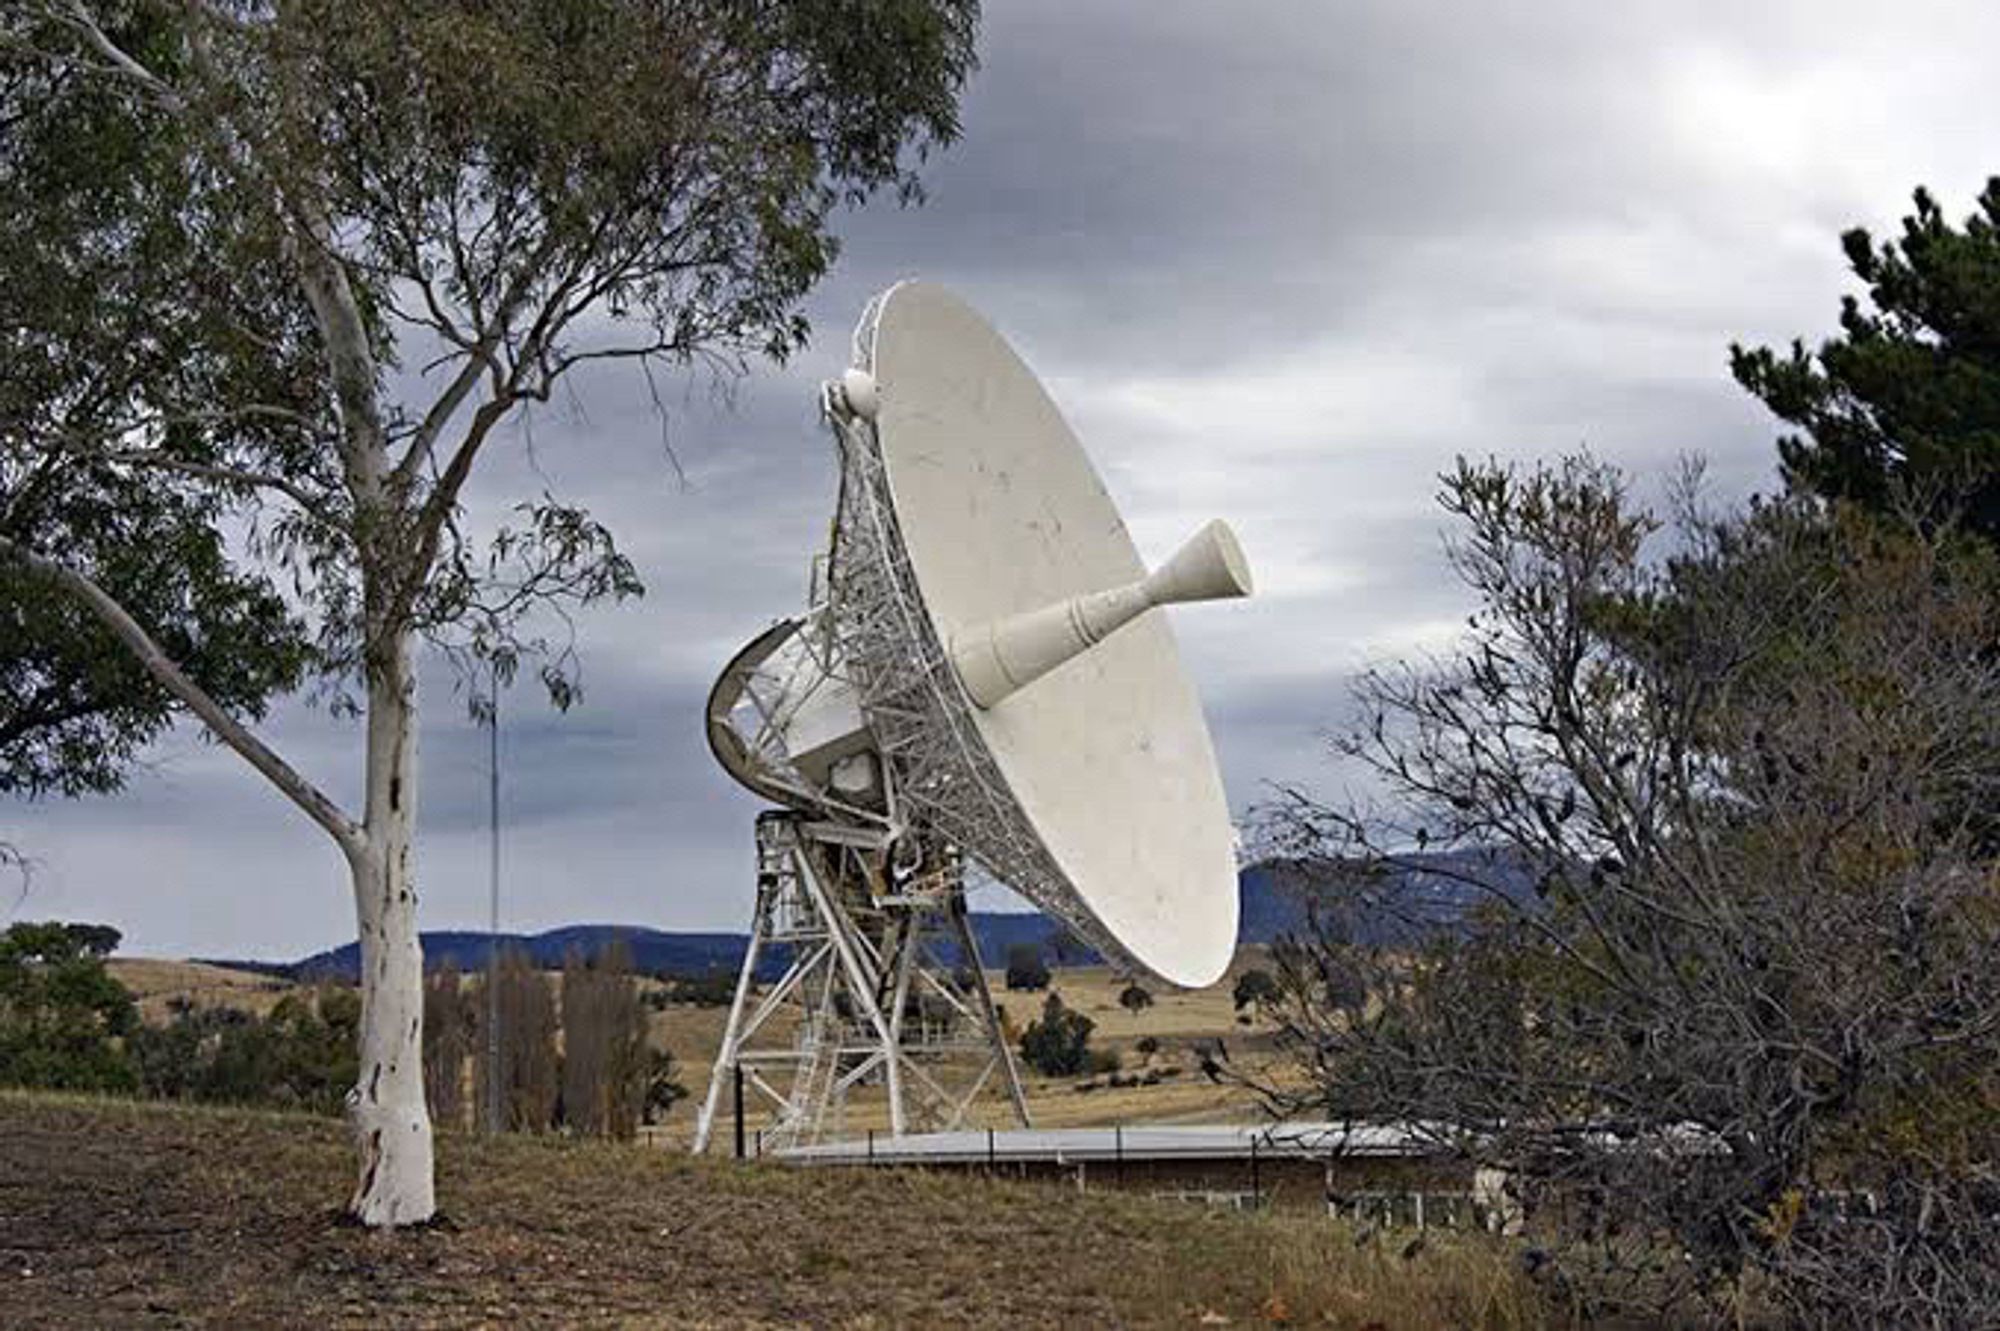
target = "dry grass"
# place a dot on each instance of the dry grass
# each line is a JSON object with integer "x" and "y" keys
{"x": 116, "y": 1213}
{"x": 1178, "y": 1021}
{"x": 157, "y": 984}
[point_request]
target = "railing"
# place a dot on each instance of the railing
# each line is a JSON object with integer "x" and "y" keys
{"x": 1410, "y": 1210}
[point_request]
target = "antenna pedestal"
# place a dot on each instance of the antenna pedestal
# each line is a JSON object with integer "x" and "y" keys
{"x": 880, "y": 1018}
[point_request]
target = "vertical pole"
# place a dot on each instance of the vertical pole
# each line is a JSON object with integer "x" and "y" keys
{"x": 989, "y": 1151}
{"x": 737, "y": 1069}
{"x": 493, "y": 1096}
{"x": 871, "y": 1146}
{"x": 1256, "y": 1181}
{"x": 732, "y": 1034}
{"x": 906, "y": 936}
{"x": 1118, "y": 1137}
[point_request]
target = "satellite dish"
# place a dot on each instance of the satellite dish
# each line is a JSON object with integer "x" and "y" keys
{"x": 1110, "y": 814}
{"x": 981, "y": 675}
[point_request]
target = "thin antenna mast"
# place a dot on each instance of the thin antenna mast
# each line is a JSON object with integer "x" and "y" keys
{"x": 493, "y": 1096}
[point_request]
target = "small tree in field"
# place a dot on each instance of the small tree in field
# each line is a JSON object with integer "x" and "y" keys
{"x": 1135, "y": 998}
{"x": 1254, "y": 988}
{"x": 395, "y": 227}
{"x": 663, "y": 1086}
{"x": 1058, "y": 1043}
{"x": 1026, "y": 970}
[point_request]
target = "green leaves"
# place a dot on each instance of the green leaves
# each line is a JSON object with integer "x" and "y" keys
{"x": 222, "y": 227}
{"x": 1903, "y": 408}
{"x": 62, "y": 1017}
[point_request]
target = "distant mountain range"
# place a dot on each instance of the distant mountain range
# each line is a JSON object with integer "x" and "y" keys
{"x": 1396, "y": 909}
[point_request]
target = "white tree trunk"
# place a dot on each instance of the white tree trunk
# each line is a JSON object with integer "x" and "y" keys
{"x": 391, "y": 1123}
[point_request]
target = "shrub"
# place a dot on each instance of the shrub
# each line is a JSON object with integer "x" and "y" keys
{"x": 61, "y": 1015}
{"x": 1254, "y": 986}
{"x": 1058, "y": 1045}
{"x": 300, "y": 1057}
{"x": 1025, "y": 967}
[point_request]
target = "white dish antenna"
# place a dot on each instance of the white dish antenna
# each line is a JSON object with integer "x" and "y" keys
{"x": 983, "y": 673}
{"x": 1108, "y": 811}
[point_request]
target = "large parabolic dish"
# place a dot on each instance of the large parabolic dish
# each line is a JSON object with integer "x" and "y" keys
{"x": 1092, "y": 790}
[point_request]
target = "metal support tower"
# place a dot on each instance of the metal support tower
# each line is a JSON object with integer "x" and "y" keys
{"x": 865, "y": 999}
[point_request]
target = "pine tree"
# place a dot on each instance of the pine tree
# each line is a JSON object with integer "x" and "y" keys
{"x": 1903, "y": 406}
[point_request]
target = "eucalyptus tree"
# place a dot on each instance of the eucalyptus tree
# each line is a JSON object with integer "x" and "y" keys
{"x": 102, "y": 310}
{"x": 417, "y": 219}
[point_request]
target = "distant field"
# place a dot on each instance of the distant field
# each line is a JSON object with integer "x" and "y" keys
{"x": 117, "y": 1213}
{"x": 1177, "y": 1021}
{"x": 157, "y": 984}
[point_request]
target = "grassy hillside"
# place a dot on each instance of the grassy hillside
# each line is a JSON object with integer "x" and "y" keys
{"x": 114, "y": 1213}
{"x": 157, "y": 984}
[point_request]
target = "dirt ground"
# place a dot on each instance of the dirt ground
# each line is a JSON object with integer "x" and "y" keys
{"x": 114, "y": 1213}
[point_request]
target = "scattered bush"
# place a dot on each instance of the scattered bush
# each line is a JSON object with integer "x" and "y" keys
{"x": 1025, "y": 968}
{"x": 663, "y": 1086}
{"x": 1058, "y": 1045}
{"x": 1254, "y": 987}
{"x": 62, "y": 1017}
{"x": 1135, "y": 998}
{"x": 711, "y": 988}
{"x": 302, "y": 1056}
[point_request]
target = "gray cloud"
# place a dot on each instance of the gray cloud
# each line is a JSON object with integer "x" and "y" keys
{"x": 1277, "y": 261}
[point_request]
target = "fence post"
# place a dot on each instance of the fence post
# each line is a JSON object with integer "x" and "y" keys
{"x": 989, "y": 1151}
{"x": 871, "y": 1146}
{"x": 1118, "y": 1137}
{"x": 1256, "y": 1180}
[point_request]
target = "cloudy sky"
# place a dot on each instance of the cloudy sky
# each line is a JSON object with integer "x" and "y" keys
{"x": 1279, "y": 262}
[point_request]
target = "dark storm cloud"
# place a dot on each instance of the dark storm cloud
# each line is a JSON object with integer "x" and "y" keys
{"x": 1277, "y": 261}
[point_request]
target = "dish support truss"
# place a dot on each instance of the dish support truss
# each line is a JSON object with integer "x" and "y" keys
{"x": 865, "y": 998}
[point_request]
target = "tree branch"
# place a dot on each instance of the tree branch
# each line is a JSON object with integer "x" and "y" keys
{"x": 74, "y": 15}
{"x": 311, "y": 503}
{"x": 315, "y": 804}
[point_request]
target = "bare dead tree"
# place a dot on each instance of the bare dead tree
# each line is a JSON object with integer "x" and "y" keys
{"x": 530, "y": 1071}
{"x": 604, "y": 1044}
{"x": 450, "y": 1027}
{"x": 1727, "y": 1013}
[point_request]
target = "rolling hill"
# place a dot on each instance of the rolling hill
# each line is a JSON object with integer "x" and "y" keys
{"x": 1392, "y": 911}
